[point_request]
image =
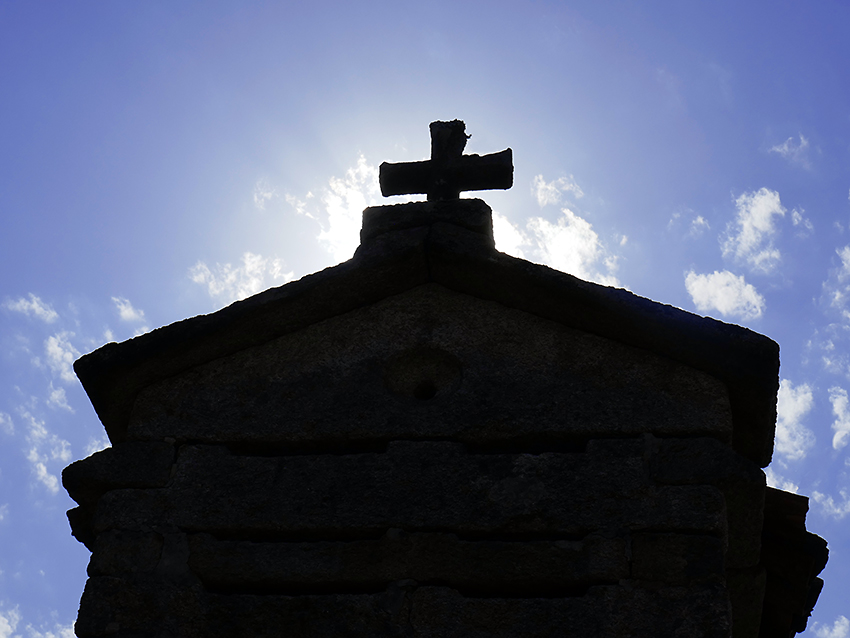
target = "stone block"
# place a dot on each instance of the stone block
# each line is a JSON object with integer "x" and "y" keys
{"x": 124, "y": 553}
{"x": 414, "y": 486}
{"x": 708, "y": 461}
{"x": 404, "y": 609}
{"x": 511, "y": 378}
{"x": 470, "y": 214}
{"x": 746, "y": 594}
{"x": 127, "y": 464}
{"x": 519, "y": 567}
{"x": 677, "y": 559}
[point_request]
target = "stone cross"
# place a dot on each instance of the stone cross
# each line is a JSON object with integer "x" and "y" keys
{"x": 448, "y": 172}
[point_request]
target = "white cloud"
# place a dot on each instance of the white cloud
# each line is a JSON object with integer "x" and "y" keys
{"x": 59, "y": 631}
{"x": 33, "y": 307}
{"x": 61, "y": 355}
{"x": 839, "y": 629}
{"x": 6, "y": 424}
{"x": 57, "y": 398}
{"x": 830, "y": 507}
{"x": 550, "y": 192}
{"x": 794, "y": 151}
{"x": 836, "y": 289}
{"x": 725, "y": 292}
{"x": 698, "y": 226}
{"x": 228, "y": 283}
{"x": 44, "y": 447}
{"x": 9, "y": 619}
{"x": 780, "y": 482}
{"x": 839, "y": 400}
{"x": 42, "y": 474}
{"x": 96, "y": 445}
{"x": 344, "y": 202}
{"x": 805, "y": 223}
{"x": 126, "y": 310}
{"x": 793, "y": 439}
{"x": 508, "y": 237}
{"x": 571, "y": 245}
{"x": 4, "y": 512}
{"x": 749, "y": 238}
{"x": 299, "y": 205}
{"x": 263, "y": 193}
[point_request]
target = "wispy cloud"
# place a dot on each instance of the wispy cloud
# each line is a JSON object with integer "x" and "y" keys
{"x": 97, "y": 444}
{"x": 840, "y": 629}
{"x": 344, "y": 201}
{"x": 728, "y": 294}
{"x": 571, "y": 245}
{"x": 56, "y": 398}
{"x": 44, "y": 447}
{"x": 836, "y": 289}
{"x": 697, "y": 226}
{"x": 803, "y": 224}
{"x": 9, "y": 619}
{"x": 840, "y": 403}
{"x": 59, "y": 631}
{"x": 774, "y": 479}
{"x": 228, "y": 283}
{"x": 551, "y": 192}
{"x": 60, "y": 355}
{"x": 32, "y": 307}
{"x": 263, "y": 194}
{"x": 6, "y": 424}
{"x": 830, "y": 507}
{"x": 749, "y": 238}
{"x": 796, "y": 152}
{"x": 793, "y": 438}
{"x": 509, "y": 238}
{"x": 126, "y": 310}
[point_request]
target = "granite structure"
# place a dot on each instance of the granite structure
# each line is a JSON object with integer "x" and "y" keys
{"x": 438, "y": 439}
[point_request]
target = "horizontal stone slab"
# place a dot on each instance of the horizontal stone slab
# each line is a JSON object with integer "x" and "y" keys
{"x": 433, "y": 363}
{"x": 484, "y": 566}
{"x": 416, "y": 486}
{"x": 114, "y": 607}
{"x": 126, "y": 464}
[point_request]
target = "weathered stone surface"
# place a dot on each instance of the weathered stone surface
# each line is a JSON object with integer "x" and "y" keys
{"x": 514, "y": 377}
{"x": 677, "y": 559}
{"x": 707, "y": 461}
{"x": 518, "y": 567}
{"x": 746, "y": 594}
{"x": 127, "y": 464}
{"x": 471, "y": 214}
{"x": 125, "y": 553}
{"x": 403, "y": 609}
{"x": 792, "y": 557}
{"x": 415, "y": 486}
{"x": 400, "y": 260}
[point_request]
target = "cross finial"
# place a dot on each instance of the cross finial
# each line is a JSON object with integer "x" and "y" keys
{"x": 448, "y": 172}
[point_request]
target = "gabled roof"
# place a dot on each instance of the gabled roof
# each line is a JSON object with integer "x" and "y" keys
{"x": 449, "y": 243}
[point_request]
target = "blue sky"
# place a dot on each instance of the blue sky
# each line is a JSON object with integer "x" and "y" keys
{"x": 162, "y": 159}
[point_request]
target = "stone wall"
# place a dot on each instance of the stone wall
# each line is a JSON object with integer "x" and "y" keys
{"x": 436, "y": 439}
{"x": 431, "y": 465}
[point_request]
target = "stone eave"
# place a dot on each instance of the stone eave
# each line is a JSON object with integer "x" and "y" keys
{"x": 398, "y": 258}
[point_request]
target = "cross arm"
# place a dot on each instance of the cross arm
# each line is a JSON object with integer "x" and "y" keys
{"x": 447, "y": 179}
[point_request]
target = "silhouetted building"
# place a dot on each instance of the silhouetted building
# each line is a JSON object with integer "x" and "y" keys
{"x": 437, "y": 439}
